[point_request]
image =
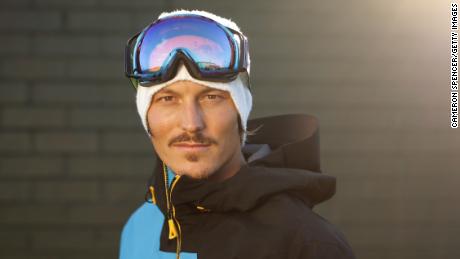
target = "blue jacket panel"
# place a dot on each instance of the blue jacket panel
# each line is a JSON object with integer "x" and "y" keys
{"x": 140, "y": 238}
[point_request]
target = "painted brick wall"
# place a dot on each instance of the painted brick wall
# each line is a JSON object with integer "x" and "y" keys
{"x": 74, "y": 158}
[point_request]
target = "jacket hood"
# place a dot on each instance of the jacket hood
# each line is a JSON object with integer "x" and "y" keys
{"x": 282, "y": 157}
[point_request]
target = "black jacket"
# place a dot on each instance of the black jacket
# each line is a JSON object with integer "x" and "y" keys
{"x": 265, "y": 210}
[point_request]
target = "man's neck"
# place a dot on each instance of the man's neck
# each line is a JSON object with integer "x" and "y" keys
{"x": 229, "y": 169}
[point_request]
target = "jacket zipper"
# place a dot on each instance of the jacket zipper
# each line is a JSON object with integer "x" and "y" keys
{"x": 172, "y": 220}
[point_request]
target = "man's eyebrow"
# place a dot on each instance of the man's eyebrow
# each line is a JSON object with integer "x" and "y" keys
{"x": 167, "y": 90}
{"x": 206, "y": 90}
{"x": 209, "y": 89}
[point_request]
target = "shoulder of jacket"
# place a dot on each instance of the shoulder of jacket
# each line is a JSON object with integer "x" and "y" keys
{"x": 318, "y": 249}
{"x": 324, "y": 241}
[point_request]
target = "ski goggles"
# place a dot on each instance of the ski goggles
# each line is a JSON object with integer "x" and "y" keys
{"x": 209, "y": 50}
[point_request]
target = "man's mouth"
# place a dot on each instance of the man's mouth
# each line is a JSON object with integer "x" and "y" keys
{"x": 191, "y": 146}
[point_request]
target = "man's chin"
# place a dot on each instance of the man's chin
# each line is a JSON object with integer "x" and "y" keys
{"x": 197, "y": 176}
{"x": 195, "y": 170}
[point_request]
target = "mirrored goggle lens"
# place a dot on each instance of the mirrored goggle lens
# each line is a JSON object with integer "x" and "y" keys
{"x": 204, "y": 41}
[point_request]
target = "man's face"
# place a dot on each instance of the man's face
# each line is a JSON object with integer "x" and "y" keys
{"x": 187, "y": 113}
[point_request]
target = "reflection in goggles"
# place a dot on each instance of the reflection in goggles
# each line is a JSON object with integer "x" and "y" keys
{"x": 205, "y": 52}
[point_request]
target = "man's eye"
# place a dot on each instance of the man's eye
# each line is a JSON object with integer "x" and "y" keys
{"x": 213, "y": 96}
{"x": 165, "y": 98}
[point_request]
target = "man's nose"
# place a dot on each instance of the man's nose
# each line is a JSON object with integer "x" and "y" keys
{"x": 192, "y": 117}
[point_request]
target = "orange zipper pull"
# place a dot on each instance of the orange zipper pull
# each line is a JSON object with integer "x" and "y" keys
{"x": 152, "y": 192}
{"x": 202, "y": 209}
{"x": 172, "y": 229}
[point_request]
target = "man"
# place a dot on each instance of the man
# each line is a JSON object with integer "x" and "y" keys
{"x": 214, "y": 194}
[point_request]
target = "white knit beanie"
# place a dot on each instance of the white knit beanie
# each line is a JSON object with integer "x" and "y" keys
{"x": 239, "y": 92}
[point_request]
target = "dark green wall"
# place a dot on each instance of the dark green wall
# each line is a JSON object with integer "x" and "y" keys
{"x": 74, "y": 158}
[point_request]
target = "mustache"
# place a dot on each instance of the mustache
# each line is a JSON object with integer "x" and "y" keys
{"x": 197, "y": 138}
